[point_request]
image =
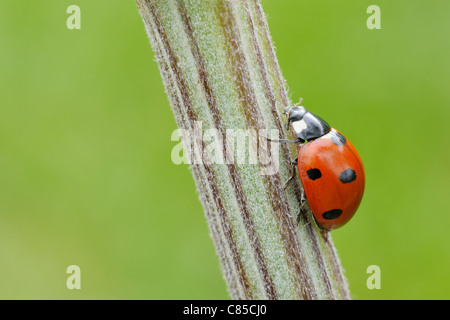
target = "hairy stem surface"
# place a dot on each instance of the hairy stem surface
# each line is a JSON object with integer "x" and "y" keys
{"x": 220, "y": 71}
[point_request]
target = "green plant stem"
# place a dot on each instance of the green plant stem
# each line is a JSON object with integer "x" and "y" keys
{"x": 219, "y": 68}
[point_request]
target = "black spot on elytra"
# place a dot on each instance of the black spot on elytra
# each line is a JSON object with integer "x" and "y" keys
{"x": 347, "y": 176}
{"x": 338, "y": 139}
{"x": 332, "y": 214}
{"x": 314, "y": 174}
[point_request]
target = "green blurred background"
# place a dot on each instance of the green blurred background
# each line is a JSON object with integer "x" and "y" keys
{"x": 85, "y": 170}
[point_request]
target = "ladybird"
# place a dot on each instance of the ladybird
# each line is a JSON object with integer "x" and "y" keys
{"x": 330, "y": 168}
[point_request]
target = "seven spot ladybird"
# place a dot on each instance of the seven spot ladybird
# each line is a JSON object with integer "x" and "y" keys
{"x": 329, "y": 166}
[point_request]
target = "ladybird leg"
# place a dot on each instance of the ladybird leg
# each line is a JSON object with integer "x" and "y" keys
{"x": 302, "y": 196}
{"x": 297, "y": 140}
{"x": 286, "y": 126}
{"x": 294, "y": 164}
{"x": 280, "y": 140}
{"x": 302, "y": 205}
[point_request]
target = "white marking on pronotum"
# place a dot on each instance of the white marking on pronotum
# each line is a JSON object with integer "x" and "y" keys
{"x": 299, "y": 126}
{"x": 328, "y": 135}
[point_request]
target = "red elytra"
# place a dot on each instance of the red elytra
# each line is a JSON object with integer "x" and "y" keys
{"x": 333, "y": 178}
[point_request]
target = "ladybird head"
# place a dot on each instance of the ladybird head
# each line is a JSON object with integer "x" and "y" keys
{"x": 294, "y": 113}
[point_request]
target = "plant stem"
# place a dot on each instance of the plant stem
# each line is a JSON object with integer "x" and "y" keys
{"x": 219, "y": 68}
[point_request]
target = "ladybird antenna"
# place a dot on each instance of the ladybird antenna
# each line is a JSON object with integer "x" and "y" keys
{"x": 287, "y": 109}
{"x": 299, "y": 102}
